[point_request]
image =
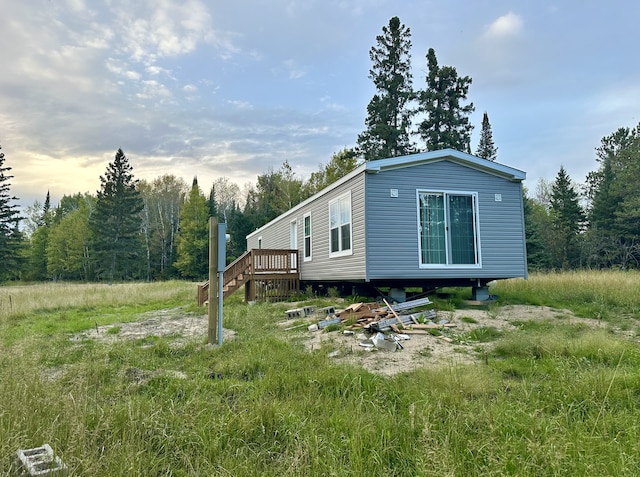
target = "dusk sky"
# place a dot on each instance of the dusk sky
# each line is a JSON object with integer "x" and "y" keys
{"x": 231, "y": 89}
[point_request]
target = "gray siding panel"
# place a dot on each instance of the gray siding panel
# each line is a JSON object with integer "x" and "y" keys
{"x": 392, "y": 222}
{"x": 321, "y": 267}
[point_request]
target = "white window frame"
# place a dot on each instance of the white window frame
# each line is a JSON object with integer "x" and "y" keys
{"x": 260, "y": 242}
{"x": 305, "y": 248}
{"x": 293, "y": 234}
{"x": 341, "y": 200}
{"x": 476, "y": 229}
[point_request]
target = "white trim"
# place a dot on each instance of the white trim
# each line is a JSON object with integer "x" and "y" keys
{"x": 293, "y": 234}
{"x": 304, "y": 238}
{"x": 349, "y": 251}
{"x": 476, "y": 230}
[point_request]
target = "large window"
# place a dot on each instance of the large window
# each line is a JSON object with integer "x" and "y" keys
{"x": 448, "y": 228}
{"x": 307, "y": 237}
{"x": 340, "y": 226}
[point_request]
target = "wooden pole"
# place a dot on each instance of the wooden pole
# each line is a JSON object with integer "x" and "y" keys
{"x": 212, "y": 334}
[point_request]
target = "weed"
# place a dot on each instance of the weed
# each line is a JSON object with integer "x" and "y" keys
{"x": 468, "y": 319}
{"x": 483, "y": 334}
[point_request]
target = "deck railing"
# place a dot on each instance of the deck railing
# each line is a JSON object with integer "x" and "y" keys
{"x": 268, "y": 273}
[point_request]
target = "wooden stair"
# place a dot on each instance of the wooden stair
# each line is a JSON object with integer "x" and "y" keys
{"x": 266, "y": 274}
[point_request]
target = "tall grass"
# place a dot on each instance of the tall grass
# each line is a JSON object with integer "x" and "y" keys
{"x": 593, "y": 294}
{"x": 46, "y": 309}
{"x": 554, "y": 399}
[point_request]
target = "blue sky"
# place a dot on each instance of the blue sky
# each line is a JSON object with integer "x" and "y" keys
{"x": 230, "y": 89}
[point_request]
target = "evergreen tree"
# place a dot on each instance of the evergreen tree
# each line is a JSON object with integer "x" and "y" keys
{"x": 116, "y": 222}
{"x": 536, "y": 220}
{"x": 340, "y": 165}
{"x": 10, "y": 237}
{"x": 486, "y": 147}
{"x": 446, "y": 124}
{"x": 238, "y": 227}
{"x": 388, "y": 115}
{"x": 614, "y": 215}
{"x": 36, "y": 268}
{"x": 211, "y": 202}
{"x": 193, "y": 236}
{"x": 567, "y": 218}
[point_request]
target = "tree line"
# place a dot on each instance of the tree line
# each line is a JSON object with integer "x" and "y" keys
{"x": 146, "y": 230}
{"x": 594, "y": 225}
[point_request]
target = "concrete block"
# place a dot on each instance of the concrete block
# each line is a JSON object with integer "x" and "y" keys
{"x": 328, "y": 310}
{"x": 308, "y": 310}
{"x": 480, "y": 293}
{"x": 39, "y": 462}
{"x": 295, "y": 313}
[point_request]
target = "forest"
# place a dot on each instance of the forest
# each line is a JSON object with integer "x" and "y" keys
{"x": 134, "y": 229}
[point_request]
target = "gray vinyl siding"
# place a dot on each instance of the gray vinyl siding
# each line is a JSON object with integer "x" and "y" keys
{"x": 321, "y": 267}
{"x": 392, "y": 222}
{"x": 385, "y": 240}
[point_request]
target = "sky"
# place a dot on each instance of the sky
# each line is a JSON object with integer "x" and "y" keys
{"x": 214, "y": 89}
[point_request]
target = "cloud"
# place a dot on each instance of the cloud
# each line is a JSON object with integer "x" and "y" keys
{"x": 508, "y": 25}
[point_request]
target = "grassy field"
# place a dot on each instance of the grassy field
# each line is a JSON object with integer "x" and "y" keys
{"x": 552, "y": 399}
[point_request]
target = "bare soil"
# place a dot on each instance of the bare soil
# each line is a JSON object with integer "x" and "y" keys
{"x": 418, "y": 351}
{"x": 450, "y": 348}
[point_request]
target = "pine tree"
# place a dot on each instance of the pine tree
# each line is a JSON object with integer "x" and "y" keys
{"x": 614, "y": 215}
{"x": 388, "y": 115}
{"x": 568, "y": 219}
{"x": 486, "y": 147}
{"x": 10, "y": 236}
{"x": 193, "y": 236}
{"x": 211, "y": 202}
{"x": 36, "y": 268}
{"x": 116, "y": 222}
{"x": 447, "y": 121}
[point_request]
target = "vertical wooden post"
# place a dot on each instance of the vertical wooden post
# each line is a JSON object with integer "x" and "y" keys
{"x": 212, "y": 334}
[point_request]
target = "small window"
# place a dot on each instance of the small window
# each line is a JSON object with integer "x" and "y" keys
{"x": 340, "y": 226}
{"x": 307, "y": 237}
{"x": 259, "y": 242}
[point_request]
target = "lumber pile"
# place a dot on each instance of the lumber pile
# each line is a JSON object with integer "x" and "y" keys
{"x": 375, "y": 327}
{"x": 375, "y": 318}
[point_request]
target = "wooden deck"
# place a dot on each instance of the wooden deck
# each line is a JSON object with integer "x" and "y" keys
{"x": 267, "y": 275}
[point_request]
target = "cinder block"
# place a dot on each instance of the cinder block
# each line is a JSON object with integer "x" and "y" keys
{"x": 295, "y": 313}
{"x": 39, "y": 461}
{"x": 328, "y": 310}
{"x": 309, "y": 310}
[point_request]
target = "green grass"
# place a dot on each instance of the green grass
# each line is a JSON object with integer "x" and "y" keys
{"x": 554, "y": 399}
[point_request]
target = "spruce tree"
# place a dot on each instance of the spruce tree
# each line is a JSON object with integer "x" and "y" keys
{"x": 567, "y": 218}
{"x": 10, "y": 236}
{"x": 116, "y": 222}
{"x": 486, "y": 147}
{"x": 36, "y": 268}
{"x": 388, "y": 113}
{"x": 193, "y": 236}
{"x": 446, "y": 124}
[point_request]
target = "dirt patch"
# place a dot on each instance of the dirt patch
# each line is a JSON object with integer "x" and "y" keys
{"x": 173, "y": 322}
{"x": 418, "y": 351}
{"x": 425, "y": 349}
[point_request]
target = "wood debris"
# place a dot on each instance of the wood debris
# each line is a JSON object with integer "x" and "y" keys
{"x": 403, "y": 319}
